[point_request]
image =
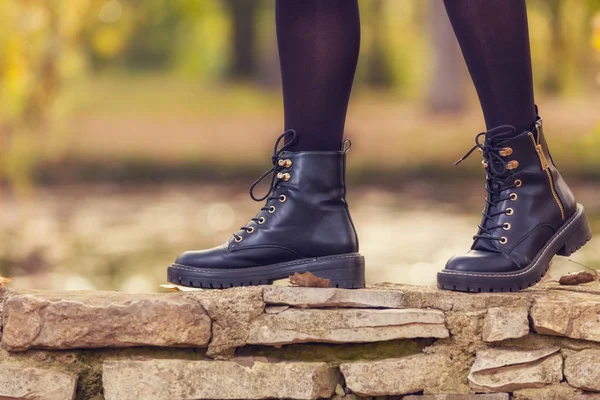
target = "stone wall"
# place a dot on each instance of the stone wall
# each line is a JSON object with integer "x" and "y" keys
{"x": 388, "y": 341}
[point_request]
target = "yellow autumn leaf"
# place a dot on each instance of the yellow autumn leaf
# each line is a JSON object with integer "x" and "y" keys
{"x": 4, "y": 280}
{"x": 596, "y": 32}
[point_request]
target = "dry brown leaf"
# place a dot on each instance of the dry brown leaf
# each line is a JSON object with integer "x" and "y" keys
{"x": 307, "y": 279}
{"x": 577, "y": 278}
{"x": 4, "y": 281}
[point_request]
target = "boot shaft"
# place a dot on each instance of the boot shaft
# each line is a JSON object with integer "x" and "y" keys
{"x": 562, "y": 194}
{"x": 308, "y": 212}
{"x": 528, "y": 155}
{"x": 534, "y": 198}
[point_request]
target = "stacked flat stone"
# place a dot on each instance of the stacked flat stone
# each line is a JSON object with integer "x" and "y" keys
{"x": 242, "y": 343}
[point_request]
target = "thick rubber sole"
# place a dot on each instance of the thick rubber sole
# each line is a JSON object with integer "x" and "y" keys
{"x": 343, "y": 271}
{"x": 573, "y": 234}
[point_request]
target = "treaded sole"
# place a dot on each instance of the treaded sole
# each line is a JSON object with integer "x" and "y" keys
{"x": 572, "y": 236}
{"x": 343, "y": 271}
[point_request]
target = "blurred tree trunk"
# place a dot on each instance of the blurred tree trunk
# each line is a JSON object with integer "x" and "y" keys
{"x": 552, "y": 82}
{"x": 378, "y": 70}
{"x": 243, "y": 16}
{"x": 568, "y": 48}
{"x": 269, "y": 72}
{"x": 447, "y": 91}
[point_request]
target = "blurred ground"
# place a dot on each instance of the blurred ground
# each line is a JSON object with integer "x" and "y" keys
{"x": 119, "y": 238}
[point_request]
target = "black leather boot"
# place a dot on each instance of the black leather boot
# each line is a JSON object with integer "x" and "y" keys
{"x": 305, "y": 226}
{"x": 530, "y": 216}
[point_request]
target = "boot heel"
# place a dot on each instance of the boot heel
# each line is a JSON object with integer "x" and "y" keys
{"x": 345, "y": 271}
{"x": 577, "y": 237}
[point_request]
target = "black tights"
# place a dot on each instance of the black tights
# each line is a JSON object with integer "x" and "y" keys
{"x": 318, "y": 50}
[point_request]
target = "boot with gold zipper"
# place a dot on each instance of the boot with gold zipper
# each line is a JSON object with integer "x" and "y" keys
{"x": 530, "y": 216}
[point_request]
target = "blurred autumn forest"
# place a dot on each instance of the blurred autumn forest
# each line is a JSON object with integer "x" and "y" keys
{"x": 66, "y": 65}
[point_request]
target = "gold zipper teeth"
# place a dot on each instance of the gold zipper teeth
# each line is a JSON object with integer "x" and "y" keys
{"x": 553, "y": 190}
{"x": 546, "y": 168}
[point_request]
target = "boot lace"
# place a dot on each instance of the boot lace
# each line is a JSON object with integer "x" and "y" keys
{"x": 276, "y": 177}
{"x": 497, "y": 172}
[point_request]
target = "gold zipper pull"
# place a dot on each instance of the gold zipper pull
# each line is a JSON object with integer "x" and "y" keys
{"x": 540, "y": 151}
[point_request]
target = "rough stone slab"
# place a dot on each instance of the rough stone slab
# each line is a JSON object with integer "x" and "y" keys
{"x": 232, "y": 311}
{"x": 21, "y": 382}
{"x": 503, "y": 323}
{"x": 582, "y": 370}
{"x": 505, "y": 370}
{"x": 551, "y": 286}
{"x": 465, "y": 328}
{"x": 487, "y": 396}
{"x": 69, "y": 320}
{"x": 245, "y": 379}
{"x": 432, "y": 297}
{"x": 345, "y": 326}
{"x": 396, "y": 376}
{"x": 574, "y": 315}
{"x": 275, "y": 309}
{"x": 332, "y": 297}
{"x": 560, "y": 391}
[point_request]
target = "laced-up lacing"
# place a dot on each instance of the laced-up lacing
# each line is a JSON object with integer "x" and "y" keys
{"x": 495, "y": 178}
{"x": 276, "y": 178}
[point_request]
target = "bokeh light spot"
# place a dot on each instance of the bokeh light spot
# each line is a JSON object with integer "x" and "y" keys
{"x": 110, "y": 12}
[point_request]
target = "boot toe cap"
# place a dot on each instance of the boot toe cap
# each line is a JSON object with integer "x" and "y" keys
{"x": 481, "y": 261}
{"x": 211, "y": 258}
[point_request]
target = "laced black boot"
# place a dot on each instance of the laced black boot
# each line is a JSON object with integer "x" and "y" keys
{"x": 305, "y": 226}
{"x": 530, "y": 216}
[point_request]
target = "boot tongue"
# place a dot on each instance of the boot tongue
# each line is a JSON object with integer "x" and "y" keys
{"x": 495, "y": 137}
{"x": 499, "y": 134}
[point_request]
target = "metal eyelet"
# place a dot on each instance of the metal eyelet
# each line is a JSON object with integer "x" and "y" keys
{"x": 239, "y": 239}
{"x": 284, "y": 176}
{"x": 505, "y": 152}
{"x": 503, "y": 240}
{"x": 250, "y": 229}
{"x": 282, "y": 198}
{"x": 512, "y": 164}
{"x": 510, "y": 211}
{"x": 506, "y": 226}
{"x": 518, "y": 183}
{"x": 261, "y": 220}
{"x": 272, "y": 209}
{"x": 513, "y": 196}
{"x": 285, "y": 163}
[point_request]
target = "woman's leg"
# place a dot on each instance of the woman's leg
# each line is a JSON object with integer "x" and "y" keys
{"x": 530, "y": 213}
{"x": 318, "y": 49}
{"x": 304, "y": 225}
{"x": 494, "y": 39}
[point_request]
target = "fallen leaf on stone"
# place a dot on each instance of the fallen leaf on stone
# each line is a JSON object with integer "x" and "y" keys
{"x": 307, "y": 279}
{"x": 577, "y": 278}
{"x": 178, "y": 288}
{"x": 4, "y": 281}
